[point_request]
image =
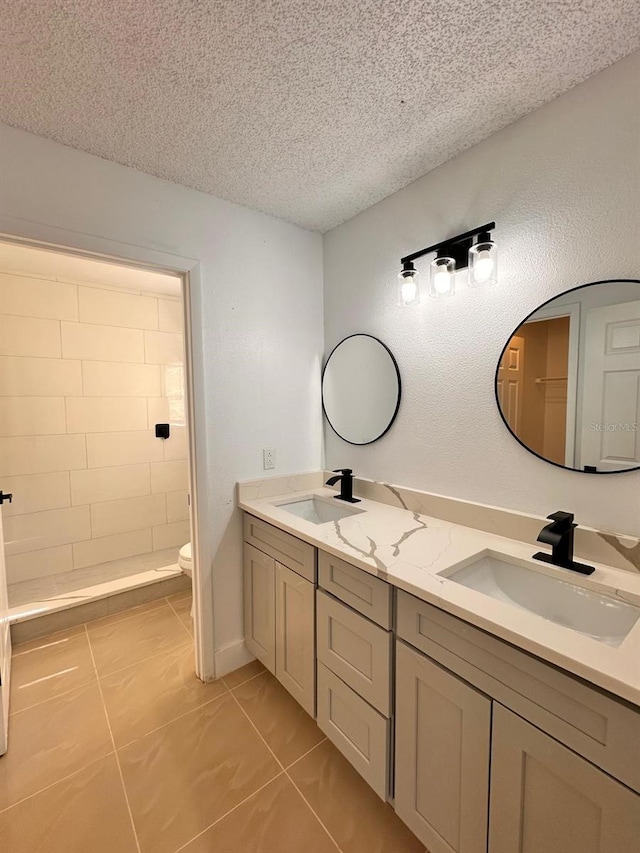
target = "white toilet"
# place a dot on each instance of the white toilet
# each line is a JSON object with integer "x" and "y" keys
{"x": 185, "y": 560}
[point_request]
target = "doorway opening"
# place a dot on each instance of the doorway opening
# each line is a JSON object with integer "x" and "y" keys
{"x": 94, "y": 431}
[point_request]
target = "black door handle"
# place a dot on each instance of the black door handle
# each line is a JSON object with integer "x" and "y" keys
{"x": 4, "y": 498}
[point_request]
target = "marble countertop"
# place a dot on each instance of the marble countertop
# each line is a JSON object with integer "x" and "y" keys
{"x": 410, "y": 550}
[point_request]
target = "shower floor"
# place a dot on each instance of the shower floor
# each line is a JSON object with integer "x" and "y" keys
{"x": 50, "y": 594}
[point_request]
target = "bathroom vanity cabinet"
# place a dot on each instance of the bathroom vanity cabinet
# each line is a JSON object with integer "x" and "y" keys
{"x": 478, "y": 754}
{"x": 355, "y": 656}
{"x": 279, "y": 606}
{"x": 480, "y": 746}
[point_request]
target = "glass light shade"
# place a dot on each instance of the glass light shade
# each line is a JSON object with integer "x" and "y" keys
{"x": 408, "y": 288}
{"x": 442, "y": 283}
{"x": 483, "y": 264}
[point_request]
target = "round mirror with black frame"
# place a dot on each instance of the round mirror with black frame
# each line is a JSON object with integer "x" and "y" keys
{"x": 361, "y": 389}
{"x": 567, "y": 383}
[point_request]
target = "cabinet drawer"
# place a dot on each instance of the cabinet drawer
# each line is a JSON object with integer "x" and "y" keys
{"x": 356, "y": 650}
{"x": 592, "y": 723}
{"x": 358, "y": 730}
{"x": 283, "y": 547}
{"x": 360, "y": 590}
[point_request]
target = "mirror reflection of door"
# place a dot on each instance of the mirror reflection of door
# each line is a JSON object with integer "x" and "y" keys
{"x": 611, "y": 397}
{"x": 510, "y": 379}
{"x": 568, "y": 381}
{"x": 535, "y": 393}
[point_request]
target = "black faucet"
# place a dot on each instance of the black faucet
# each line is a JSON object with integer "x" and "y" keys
{"x": 559, "y": 534}
{"x": 345, "y": 476}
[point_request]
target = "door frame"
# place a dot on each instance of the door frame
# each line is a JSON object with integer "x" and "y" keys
{"x": 189, "y": 269}
{"x": 572, "y": 311}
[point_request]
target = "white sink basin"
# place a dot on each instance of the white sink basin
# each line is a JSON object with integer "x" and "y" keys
{"x": 318, "y": 510}
{"x": 599, "y": 616}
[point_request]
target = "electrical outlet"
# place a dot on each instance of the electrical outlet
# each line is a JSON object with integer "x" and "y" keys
{"x": 269, "y": 458}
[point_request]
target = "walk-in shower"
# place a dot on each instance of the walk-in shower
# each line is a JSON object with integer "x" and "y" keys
{"x": 93, "y": 437}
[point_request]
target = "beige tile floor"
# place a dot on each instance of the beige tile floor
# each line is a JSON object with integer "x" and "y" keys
{"x": 116, "y": 747}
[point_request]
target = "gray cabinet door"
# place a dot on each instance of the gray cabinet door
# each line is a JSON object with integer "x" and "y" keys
{"x": 442, "y": 756}
{"x": 260, "y": 606}
{"x": 547, "y": 799}
{"x": 295, "y": 637}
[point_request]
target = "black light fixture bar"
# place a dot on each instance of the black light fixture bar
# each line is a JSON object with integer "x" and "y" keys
{"x": 454, "y": 247}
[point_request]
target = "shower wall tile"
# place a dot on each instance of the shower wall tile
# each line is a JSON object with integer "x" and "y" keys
{"x": 177, "y": 506}
{"x": 111, "y": 379}
{"x": 39, "y": 530}
{"x": 94, "y": 485}
{"x": 163, "y": 348}
{"x": 170, "y": 315}
{"x": 85, "y": 374}
{"x": 32, "y": 416}
{"x": 158, "y": 411}
{"x": 106, "y": 414}
{"x": 36, "y": 492}
{"x": 169, "y": 476}
{"x": 29, "y": 336}
{"x": 123, "y": 448}
{"x": 102, "y": 343}
{"x": 176, "y": 447}
{"x": 39, "y": 564}
{"x": 106, "y": 548}
{"x": 130, "y": 514}
{"x": 111, "y": 308}
{"x": 34, "y": 297}
{"x": 39, "y": 377}
{"x": 39, "y": 454}
{"x": 170, "y": 535}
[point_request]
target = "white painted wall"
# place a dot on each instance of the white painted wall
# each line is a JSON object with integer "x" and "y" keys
{"x": 563, "y": 186}
{"x": 258, "y": 306}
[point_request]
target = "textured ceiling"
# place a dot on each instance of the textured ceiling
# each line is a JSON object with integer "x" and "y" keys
{"x": 311, "y": 110}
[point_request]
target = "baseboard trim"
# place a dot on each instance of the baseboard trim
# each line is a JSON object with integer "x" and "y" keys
{"x": 231, "y": 657}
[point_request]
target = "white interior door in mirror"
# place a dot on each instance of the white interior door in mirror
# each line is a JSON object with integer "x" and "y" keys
{"x": 510, "y": 374}
{"x": 567, "y": 382}
{"x": 361, "y": 389}
{"x": 611, "y": 400}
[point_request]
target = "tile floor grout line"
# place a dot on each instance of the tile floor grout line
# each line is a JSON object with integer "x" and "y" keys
{"x": 49, "y": 698}
{"x": 305, "y": 800}
{"x": 175, "y": 613}
{"x": 16, "y": 653}
{"x": 242, "y": 683}
{"x": 226, "y": 814}
{"x": 186, "y": 594}
{"x": 106, "y": 714}
{"x": 313, "y": 811}
{"x": 57, "y": 782}
{"x": 253, "y": 726}
{"x": 289, "y": 766}
{"x": 144, "y": 660}
{"x": 175, "y": 719}
{"x": 16, "y": 647}
{"x": 126, "y": 614}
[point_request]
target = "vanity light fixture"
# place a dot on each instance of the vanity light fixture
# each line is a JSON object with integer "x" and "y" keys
{"x": 455, "y": 253}
{"x": 408, "y": 285}
{"x": 443, "y": 275}
{"x": 483, "y": 261}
